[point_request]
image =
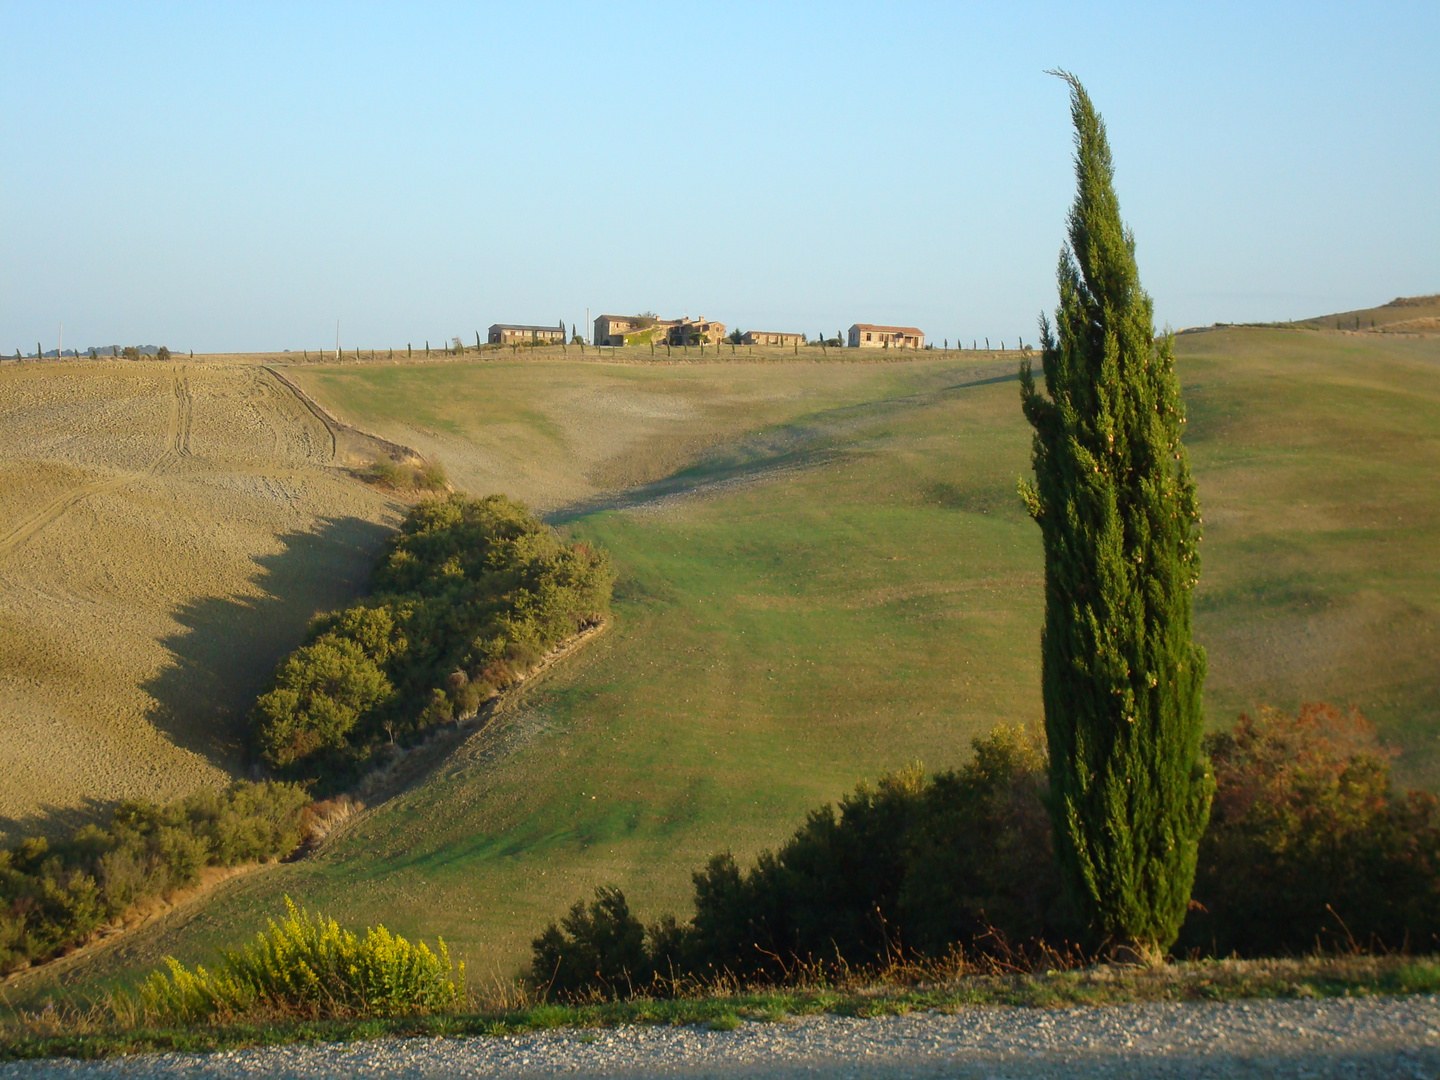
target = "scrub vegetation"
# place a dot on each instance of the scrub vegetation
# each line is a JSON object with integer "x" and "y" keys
{"x": 466, "y": 599}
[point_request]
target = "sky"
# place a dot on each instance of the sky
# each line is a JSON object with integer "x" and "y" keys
{"x": 239, "y": 177}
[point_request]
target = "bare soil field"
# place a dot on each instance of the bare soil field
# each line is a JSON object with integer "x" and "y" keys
{"x": 166, "y": 532}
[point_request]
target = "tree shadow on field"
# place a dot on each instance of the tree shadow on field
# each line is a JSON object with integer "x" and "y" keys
{"x": 52, "y": 821}
{"x": 230, "y": 645}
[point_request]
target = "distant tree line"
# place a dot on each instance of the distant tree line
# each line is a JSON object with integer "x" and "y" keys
{"x": 467, "y": 597}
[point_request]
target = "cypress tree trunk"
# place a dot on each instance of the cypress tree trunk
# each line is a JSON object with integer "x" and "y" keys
{"x": 1129, "y": 786}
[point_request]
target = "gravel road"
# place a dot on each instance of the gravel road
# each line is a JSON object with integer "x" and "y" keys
{"x": 1352, "y": 1038}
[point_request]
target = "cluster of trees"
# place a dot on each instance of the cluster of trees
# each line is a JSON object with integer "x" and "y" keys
{"x": 467, "y": 598}
{"x": 1310, "y": 845}
{"x": 54, "y": 896}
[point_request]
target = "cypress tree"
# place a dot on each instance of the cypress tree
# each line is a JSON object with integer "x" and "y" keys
{"x": 1129, "y": 786}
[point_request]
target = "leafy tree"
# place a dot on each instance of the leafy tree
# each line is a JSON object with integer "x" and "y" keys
{"x": 1129, "y": 785}
{"x": 596, "y": 950}
{"x": 321, "y": 690}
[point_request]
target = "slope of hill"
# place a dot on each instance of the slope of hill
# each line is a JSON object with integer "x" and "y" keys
{"x": 854, "y": 588}
{"x": 166, "y": 531}
{"x": 1404, "y": 314}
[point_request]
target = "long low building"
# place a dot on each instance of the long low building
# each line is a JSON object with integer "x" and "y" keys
{"x": 870, "y": 336}
{"x": 770, "y": 337}
{"x": 516, "y": 334}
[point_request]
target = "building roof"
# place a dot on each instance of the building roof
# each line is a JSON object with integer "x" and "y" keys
{"x": 553, "y": 327}
{"x": 777, "y": 333}
{"x": 889, "y": 329}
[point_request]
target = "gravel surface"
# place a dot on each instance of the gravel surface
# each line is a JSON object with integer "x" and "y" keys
{"x": 1356, "y": 1037}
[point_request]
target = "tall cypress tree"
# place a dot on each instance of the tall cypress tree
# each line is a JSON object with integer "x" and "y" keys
{"x": 1129, "y": 785}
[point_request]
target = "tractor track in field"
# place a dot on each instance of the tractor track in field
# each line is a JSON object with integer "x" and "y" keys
{"x": 175, "y": 444}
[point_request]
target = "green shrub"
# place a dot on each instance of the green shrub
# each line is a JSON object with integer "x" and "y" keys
{"x": 401, "y": 476}
{"x": 52, "y": 897}
{"x": 596, "y": 951}
{"x": 309, "y": 966}
{"x": 320, "y": 691}
{"x": 386, "y": 473}
{"x": 430, "y": 476}
{"x": 467, "y": 597}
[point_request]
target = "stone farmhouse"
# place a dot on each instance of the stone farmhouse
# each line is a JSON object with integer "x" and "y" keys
{"x": 769, "y": 337}
{"x": 870, "y": 336}
{"x": 515, "y": 334}
{"x": 648, "y": 330}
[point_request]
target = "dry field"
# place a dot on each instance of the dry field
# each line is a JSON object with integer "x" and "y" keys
{"x": 166, "y": 532}
{"x": 1403, "y": 315}
{"x": 564, "y": 433}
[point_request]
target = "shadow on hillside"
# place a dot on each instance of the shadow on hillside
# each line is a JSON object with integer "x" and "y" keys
{"x": 815, "y": 440}
{"x": 52, "y": 821}
{"x": 230, "y": 645}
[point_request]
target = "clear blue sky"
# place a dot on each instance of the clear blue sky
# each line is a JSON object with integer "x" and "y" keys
{"x": 240, "y": 176}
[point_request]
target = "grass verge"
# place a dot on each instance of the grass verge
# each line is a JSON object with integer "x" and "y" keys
{"x": 72, "y": 1031}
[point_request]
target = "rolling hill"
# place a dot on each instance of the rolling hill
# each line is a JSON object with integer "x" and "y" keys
{"x": 825, "y": 574}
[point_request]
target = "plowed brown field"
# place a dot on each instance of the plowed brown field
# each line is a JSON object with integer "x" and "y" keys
{"x": 166, "y": 532}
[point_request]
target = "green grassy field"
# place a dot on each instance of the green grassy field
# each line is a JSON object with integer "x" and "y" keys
{"x": 836, "y": 579}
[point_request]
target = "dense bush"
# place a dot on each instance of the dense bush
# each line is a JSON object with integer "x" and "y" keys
{"x": 466, "y": 598}
{"x": 912, "y": 864}
{"x": 309, "y": 966}
{"x": 53, "y": 896}
{"x": 596, "y": 950}
{"x": 1308, "y": 845}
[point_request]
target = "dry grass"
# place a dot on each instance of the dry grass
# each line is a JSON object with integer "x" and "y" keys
{"x": 1403, "y": 315}
{"x": 166, "y": 532}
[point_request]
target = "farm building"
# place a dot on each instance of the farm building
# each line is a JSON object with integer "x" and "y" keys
{"x": 768, "y": 337}
{"x": 869, "y": 336}
{"x": 648, "y": 330}
{"x": 514, "y": 334}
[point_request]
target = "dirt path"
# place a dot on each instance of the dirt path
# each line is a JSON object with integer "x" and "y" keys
{"x": 345, "y": 439}
{"x": 54, "y": 509}
{"x": 1339, "y": 1037}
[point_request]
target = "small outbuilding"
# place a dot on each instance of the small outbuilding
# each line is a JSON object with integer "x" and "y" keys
{"x": 771, "y": 337}
{"x": 870, "y": 336}
{"x": 516, "y": 334}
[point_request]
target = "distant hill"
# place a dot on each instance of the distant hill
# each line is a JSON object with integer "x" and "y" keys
{"x": 1414, "y": 314}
